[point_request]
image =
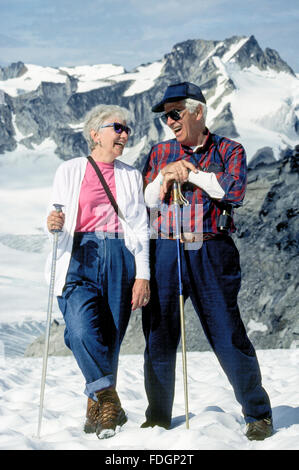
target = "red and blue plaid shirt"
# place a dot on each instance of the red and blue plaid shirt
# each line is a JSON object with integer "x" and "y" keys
{"x": 224, "y": 157}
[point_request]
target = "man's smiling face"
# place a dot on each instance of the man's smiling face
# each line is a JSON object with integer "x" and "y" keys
{"x": 186, "y": 128}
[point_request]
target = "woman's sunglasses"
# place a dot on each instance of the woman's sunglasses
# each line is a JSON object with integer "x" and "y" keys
{"x": 118, "y": 128}
{"x": 174, "y": 114}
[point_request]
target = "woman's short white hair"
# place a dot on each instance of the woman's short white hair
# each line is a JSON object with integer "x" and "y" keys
{"x": 98, "y": 115}
{"x": 192, "y": 105}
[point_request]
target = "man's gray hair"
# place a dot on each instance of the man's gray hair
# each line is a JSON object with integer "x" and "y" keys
{"x": 98, "y": 115}
{"x": 192, "y": 105}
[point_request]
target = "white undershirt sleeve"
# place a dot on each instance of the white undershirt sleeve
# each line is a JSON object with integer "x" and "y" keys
{"x": 208, "y": 182}
{"x": 152, "y": 192}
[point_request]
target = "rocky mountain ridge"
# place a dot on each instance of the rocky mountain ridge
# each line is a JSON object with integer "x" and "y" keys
{"x": 56, "y": 109}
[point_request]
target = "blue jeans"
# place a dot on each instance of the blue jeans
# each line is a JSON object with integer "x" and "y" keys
{"x": 96, "y": 305}
{"x": 211, "y": 278}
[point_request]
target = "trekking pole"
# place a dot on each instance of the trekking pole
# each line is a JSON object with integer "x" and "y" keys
{"x": 176, "y": 202}
{"x": 58, "y": 208}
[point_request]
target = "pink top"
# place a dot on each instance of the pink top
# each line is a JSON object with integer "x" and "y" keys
{"x": 95, "y": 211}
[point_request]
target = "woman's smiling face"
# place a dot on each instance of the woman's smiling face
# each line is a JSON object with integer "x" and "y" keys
{"x": 110, "y": 143}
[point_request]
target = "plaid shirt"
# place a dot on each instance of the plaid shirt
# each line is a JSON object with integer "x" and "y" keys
{"x": 222, "y": 156}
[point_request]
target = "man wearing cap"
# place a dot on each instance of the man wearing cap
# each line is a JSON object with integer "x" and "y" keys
{"x": 211, "y": 172}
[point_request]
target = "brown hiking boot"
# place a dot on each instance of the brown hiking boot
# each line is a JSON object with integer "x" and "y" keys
{"x": 92, "y": 416}
{"x": 259, "y": 430}
{"x": 111, "y": 413}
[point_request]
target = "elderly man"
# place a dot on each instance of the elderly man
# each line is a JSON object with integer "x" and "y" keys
{"x": 211, "y": 171}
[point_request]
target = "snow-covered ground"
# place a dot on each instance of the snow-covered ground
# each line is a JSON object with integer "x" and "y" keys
{"x": 215, "y": 420}
{"x": 215, "y": 417}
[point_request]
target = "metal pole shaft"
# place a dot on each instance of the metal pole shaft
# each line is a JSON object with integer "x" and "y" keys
{"x": 184, "y": 358}
{"x": 47, "y": 333}
{"x": 181, "y": 298}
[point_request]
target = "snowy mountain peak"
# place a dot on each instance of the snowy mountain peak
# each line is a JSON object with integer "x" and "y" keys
{"x": 243, "y": 50}
{"x": 250, "y": 54}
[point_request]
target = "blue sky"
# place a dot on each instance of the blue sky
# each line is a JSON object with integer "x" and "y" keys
{"x": 132, "y": 32}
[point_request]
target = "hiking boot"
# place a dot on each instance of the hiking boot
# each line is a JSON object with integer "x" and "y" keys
{"x": 92, "y": 416}
{"x": 111, "y": 413}
{"x": 259, "y": 430}
{"x": 150, "y": 424}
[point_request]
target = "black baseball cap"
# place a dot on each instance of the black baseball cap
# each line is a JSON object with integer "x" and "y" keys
{"x": 177, "y": 92}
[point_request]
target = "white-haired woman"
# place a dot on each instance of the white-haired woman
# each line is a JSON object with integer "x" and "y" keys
{"x": 102, "y": 268}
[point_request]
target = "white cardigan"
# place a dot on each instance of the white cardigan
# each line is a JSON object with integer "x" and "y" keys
{"x": 129, "y": 196}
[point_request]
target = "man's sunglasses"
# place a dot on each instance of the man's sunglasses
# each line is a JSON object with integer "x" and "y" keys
{"x": 174, "y": 114}
{"x": 118, "y": 128}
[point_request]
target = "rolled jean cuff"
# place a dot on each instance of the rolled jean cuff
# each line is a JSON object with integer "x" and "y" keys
{"x": 100, "y": 384}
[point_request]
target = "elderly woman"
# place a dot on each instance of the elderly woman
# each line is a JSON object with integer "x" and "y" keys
{"x": 102, "y": 268}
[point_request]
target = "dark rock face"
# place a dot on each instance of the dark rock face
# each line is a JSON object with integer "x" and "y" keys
{"x": 252, "y": 54}
{"x": 7, "y": 132}
{"x": 268, "y": 240}
{"x": 14, "y": 70}
{"x": 225, "y": 123}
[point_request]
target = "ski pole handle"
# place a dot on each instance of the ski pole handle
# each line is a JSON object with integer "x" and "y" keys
{"x": 175, "y": 192}
{"x": 58, "y": 208}
{"x": 178, "y": 197}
